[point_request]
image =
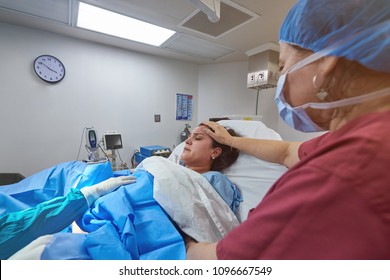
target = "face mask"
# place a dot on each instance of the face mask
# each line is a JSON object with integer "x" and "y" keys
{"x": 296, "y": 117}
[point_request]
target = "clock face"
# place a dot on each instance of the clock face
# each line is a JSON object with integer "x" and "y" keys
{"x": 49, "y": 68}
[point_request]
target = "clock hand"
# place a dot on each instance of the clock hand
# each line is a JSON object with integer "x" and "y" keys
{"x": 47, "y": 67}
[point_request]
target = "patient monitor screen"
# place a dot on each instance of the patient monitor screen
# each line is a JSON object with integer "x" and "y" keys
{"x": 113, "y": 141}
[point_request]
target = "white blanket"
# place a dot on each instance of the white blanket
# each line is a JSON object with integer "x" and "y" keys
{"x": 190, "y": 200}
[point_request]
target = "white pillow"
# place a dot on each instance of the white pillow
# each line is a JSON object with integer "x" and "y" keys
{"x": 251, "y": 175}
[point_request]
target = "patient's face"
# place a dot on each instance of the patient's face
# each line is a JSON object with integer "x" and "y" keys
{"x": 198, "y": 149}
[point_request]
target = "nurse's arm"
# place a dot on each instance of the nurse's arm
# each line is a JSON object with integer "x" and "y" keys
{"x": 201, "y": 251}
{"x": 276, "y": 151}
{"x": 282, "y": 152}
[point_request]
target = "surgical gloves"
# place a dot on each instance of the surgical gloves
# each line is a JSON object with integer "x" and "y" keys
{"x": 94, "y": 192}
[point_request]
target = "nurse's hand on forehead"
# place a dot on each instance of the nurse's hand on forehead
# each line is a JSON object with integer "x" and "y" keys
{"x": 220, "y": 134}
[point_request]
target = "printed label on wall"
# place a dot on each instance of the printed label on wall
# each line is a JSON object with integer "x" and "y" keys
{"x": 183, "y": 107}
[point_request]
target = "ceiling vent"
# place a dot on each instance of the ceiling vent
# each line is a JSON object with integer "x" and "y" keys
{"x": 232, "y": 16}
{"x": 193, "y": 46}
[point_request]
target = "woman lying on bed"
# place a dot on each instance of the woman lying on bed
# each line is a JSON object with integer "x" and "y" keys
{"x": 129, "y": 223}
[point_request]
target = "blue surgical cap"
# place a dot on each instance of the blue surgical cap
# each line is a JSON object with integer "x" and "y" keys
{"x": 358, "y": 30}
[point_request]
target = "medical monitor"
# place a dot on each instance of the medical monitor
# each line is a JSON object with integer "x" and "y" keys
{"x": 113, "y": 141}
{"x": 91, "y": 136}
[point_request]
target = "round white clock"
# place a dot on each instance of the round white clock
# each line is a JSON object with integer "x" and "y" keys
{"x": 49, "y": 68}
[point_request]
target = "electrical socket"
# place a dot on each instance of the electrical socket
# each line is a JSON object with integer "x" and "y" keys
{"x": 260, "y": 76}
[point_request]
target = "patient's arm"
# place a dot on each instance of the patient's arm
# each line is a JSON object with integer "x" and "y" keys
{"x": 282, "y": 152}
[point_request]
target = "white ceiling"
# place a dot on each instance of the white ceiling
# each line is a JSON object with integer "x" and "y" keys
{"x": 260, "y": 31}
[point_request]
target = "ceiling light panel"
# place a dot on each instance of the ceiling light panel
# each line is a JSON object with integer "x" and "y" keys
{"x": 107, "y": 22}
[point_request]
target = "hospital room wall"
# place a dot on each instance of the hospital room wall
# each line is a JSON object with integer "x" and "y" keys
{"x": 222, "y": 91}
{"x": 108, "y": 88}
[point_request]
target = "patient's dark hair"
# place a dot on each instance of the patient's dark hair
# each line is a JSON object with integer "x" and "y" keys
{"x": 228, "y": 155}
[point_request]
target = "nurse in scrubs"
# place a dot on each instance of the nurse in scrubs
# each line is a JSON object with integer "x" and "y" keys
{"x": 334, "y": 201}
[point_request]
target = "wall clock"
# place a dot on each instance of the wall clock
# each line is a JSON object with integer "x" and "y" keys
{"x": 49, "y": 68}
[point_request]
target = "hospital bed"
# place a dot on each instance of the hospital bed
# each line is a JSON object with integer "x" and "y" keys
{"x": 122, "y": 228}
{"x": 253, "y": 176}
